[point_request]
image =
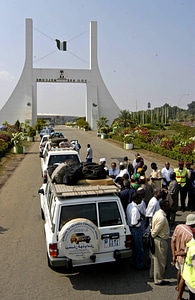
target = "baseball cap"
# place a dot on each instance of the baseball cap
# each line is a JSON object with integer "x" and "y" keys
{"x": 190, "y": 219}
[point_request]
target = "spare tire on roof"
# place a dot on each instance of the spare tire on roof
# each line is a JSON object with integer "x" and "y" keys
{"x": 78, "y": 239}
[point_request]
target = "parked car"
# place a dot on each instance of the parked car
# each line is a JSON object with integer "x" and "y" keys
{"x": 42, "y": 144}
{"x": 84, "y": 224}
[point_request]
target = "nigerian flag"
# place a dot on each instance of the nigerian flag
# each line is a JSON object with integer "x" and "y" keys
{"x": 61, "y": 45}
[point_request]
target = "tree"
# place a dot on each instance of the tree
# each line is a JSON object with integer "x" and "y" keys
{"x": 102, "y": 124}
{"x": 124, "y": 118}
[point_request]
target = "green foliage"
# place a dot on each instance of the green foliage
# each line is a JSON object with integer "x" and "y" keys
{"x": 83, "y": 124}
{"x": 31, "y": 131}
{"x": 3, "y": 147}
{"x": 102, "y": 125}
{"x": 40, "y": 124}
{"x": 18, "y": 138}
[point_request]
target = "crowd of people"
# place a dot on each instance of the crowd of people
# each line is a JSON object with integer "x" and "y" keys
{"x": 150, "y": 204}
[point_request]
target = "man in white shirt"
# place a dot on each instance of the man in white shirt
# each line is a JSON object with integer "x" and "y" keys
{"x": 122, "y": 170}
{"x": 134, "y": 222}
{"x": 153, "y": 206}
{"x": 165, "y": 172}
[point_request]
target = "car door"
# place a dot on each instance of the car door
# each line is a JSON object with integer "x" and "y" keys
{"x": 112, "y": 226}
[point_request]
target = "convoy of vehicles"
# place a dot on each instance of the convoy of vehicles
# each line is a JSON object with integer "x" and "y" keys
{"x": 84, "y": 223}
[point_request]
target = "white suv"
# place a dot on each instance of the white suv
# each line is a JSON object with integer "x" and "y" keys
{"x": 84, "y": 224}
{"x": 54, "y": 155}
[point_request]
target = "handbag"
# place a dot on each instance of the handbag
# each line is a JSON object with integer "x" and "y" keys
{"x": 151, "y": 245}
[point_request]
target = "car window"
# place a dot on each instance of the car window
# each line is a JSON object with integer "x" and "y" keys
{"x": 87, "y": 211}
{"x": 63, "y": 158}
{"x": 109, "y": 214}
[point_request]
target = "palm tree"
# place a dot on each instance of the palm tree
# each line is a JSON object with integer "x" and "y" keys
{"x": 124, "y": 118}
{"x": 102, "y": 124}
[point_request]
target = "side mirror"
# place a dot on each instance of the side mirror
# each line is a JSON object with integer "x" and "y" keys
{"x": 41, "y": 191}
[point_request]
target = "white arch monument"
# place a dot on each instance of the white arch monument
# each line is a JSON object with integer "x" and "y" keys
{"x": 22, "y": 104}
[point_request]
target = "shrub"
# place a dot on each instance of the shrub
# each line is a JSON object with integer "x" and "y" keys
{"x": 3, "y": 147}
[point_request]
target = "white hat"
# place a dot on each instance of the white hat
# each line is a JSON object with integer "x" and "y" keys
{"x": 102, "y": 159}
{"x": 190, "y": 219}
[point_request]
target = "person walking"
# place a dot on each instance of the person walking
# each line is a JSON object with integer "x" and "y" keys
{"x": 180, "y": 237}
{"x": 89, "y": 156}
{"x": 182, "y": 178}
{"x": 160, "y": 232}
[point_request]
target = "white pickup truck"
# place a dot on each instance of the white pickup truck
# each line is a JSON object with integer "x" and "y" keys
{"x": 84, "y": 224}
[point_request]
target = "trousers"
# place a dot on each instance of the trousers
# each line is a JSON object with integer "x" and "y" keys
{"x": 159, "y": 259}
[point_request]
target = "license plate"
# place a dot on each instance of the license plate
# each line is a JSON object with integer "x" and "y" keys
{"x": 111, "y": 243}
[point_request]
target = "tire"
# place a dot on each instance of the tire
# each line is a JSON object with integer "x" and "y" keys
{"x": 78, "y": 250}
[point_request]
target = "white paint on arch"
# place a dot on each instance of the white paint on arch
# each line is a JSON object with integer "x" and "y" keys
{"x": 22, "y": 104}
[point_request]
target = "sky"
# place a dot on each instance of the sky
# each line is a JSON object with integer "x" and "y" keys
{"x": 146, "y": 50}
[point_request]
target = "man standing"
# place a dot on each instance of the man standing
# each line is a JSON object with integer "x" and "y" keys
{"x": 134, "y": 222}
{"x": 89, "y": 156}
{"x": 160, "y": 232}
{"x": 113, "y": 171}
{"x": 165, "y": 172}
{"x": 126, "y": 194}
{"x": 155, "y": 176}
{"x": 128, "y": 166}
{"x": 172, "y": 196}
{"x": 153, "y": 206}
{"x": 181, "y": 236}
{"x": 182, "y": 177}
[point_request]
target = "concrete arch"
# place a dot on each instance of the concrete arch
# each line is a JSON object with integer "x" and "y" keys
{"x": 22, "y": 104}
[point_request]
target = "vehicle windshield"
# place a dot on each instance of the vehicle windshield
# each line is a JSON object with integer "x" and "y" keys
{"x": 63, "y": 158}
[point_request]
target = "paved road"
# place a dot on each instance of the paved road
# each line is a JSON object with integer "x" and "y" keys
{"x": 24, "y": 273}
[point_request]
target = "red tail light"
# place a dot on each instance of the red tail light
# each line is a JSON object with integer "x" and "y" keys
{"x": 128, "y": 242}
{"x": 45, "y": 177}
{"x": 53, "y": 250}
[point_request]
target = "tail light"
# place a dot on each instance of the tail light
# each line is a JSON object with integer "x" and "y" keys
{"x": 45, "y": 176}
{"x": 53, "y": 250}
{"x": 128, "y": 242}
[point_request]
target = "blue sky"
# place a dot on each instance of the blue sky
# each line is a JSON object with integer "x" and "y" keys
{"x": 146, "y": 50}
